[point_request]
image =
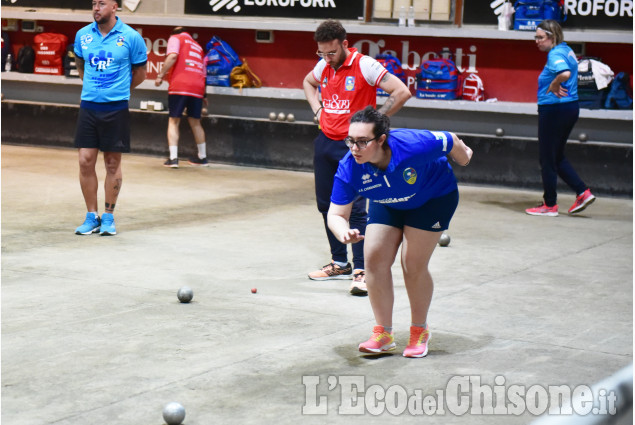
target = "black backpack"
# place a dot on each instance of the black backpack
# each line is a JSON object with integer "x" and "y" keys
{"x": 26, "y": 59}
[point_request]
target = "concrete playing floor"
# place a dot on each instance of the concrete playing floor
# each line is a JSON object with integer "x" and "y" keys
{"x": 92, "y": 331}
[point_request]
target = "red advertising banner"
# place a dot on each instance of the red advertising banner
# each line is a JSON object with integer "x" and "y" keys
{"x": 509, "y": 68}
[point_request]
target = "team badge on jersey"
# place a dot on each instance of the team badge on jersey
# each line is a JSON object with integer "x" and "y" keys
{"x": 410, "y": 175}
{"x": 350, "y": 84}
{"x": 86, "y": 39}
{"x": 325, "y": 82}
{"x": 120, "y": 40}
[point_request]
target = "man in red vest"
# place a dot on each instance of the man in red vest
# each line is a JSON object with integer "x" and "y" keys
{"x": 349, "y": 82}
{"x": 185, "y": 62}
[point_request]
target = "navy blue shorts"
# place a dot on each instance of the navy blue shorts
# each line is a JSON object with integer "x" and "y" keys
{"x": 433, "y": 216}
{"x": 108, "y": 131}
{"x": 177, "y": 103}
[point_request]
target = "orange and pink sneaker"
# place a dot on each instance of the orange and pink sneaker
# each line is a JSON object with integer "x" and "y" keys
{"x": 582, "y": 201}
{"x": 543, "y": 209}
{"x": 379, "y": 342}
{"x": 418, "y": 344}
{"x": 332, "y": 271}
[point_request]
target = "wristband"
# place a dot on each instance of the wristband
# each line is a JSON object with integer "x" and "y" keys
{"x": 316, "y": 112}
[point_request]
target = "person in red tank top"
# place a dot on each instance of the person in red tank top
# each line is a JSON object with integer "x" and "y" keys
{"x": 343, "y": 82}
{"x": 185, "y": 64}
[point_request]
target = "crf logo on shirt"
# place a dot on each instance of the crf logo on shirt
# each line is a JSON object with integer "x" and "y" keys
{"x": 101, "y": 61}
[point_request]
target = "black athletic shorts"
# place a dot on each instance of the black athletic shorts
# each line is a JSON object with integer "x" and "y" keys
{"x": 433, "y": 216}
{"x": 108, "y": 131}
{"x": 177, "y": 104}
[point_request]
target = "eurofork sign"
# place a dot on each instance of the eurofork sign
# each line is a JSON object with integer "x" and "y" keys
{"x": 311, "y": 9}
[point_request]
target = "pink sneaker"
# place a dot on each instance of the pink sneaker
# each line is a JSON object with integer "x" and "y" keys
{"x": 543, "y": 209}
{"x": 380, "y": 342}
{"x": 418, "y": 344}
{"x": 582, "y": 201}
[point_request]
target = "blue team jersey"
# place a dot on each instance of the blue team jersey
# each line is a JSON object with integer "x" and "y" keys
{"x": 561, "y": 58}
{"x": 418, "y": 171}
{"x": 109, "y": 61}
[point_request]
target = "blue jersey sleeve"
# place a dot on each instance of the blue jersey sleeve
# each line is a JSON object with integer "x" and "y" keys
{"x": 430, "y": 145}
{"x": 557, "y": 62}
{"x": 77, "y": 48}
{"x": 138, "y": 52}
{"x": 343, "y": 191}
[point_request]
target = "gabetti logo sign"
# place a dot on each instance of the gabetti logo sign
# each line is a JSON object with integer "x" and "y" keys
{"x": 339, "y": 9}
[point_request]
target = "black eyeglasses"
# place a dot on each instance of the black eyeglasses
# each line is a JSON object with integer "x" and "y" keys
{"x": 361, "y": 144}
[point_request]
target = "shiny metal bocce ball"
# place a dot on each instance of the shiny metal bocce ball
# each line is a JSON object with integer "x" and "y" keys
{"x": 185, "y": 294}
{"x": 290, "y": 117}
{"x": 500, "y": 132}
{"x": 273, "y": 116}
{"x": 583, "y": 137}
{"x": 282, "y": 116}
{"x": 444, "y": 240}
{"x": 204, "y": 111}
{"x": 173, "y": 413}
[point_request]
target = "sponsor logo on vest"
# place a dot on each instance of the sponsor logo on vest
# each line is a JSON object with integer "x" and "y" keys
{"x": 375, "y": 186}
{"x": 101, "y": 61}
{"x": 336, "y": 106}
{"x": 395, "y": 200}
{"x": 86, "y": 39}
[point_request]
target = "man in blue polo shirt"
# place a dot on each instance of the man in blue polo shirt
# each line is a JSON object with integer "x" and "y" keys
{"x": 111, "y": 59}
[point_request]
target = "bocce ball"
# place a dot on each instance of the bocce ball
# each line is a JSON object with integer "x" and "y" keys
{"x": 173, "y": 413}
{"x": 185, "y": 294}
{"x": 444, "y": 240}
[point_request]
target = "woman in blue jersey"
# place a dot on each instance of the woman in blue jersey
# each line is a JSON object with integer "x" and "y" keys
{"x": 413, "y": 194}
{"x": 558, "y": 112}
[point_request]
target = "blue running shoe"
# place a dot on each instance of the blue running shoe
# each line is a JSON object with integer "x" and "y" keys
{"x": 91, "y": 225}
{"x": 107, "y": 225}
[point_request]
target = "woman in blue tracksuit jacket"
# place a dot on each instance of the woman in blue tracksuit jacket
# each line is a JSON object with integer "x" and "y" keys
{"x": 413, "y": 194}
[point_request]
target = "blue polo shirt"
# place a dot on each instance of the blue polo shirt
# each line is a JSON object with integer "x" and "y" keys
{"x": 418, "y": 171}
{"x": 109, "y": 61}
{"x": 559, "y": 59}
